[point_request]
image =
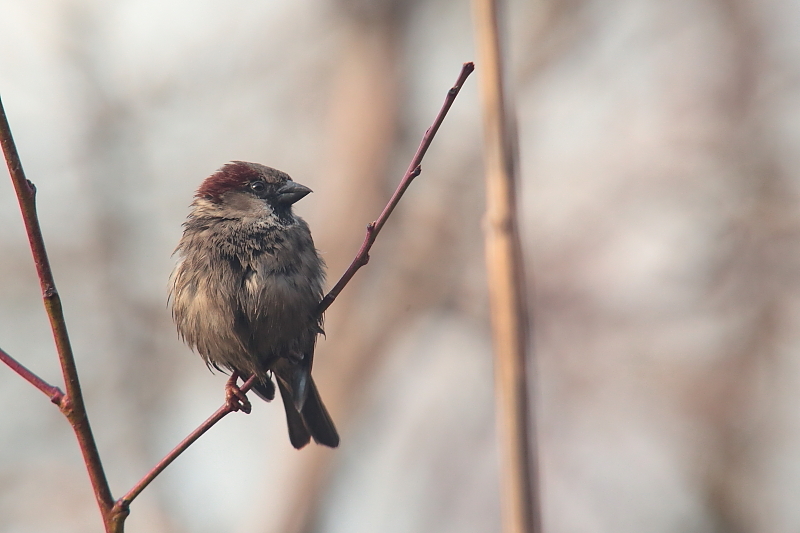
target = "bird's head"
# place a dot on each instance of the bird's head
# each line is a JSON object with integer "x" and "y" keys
{"x": 240, "y": 189}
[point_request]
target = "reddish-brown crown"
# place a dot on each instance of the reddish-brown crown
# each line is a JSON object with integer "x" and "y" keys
{"x": 230, "y": 177}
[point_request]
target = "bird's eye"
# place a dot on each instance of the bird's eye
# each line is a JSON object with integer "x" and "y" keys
{"x": 258, "y": 186}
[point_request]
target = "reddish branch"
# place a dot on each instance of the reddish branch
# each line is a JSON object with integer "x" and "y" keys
{"x": 54, "y": 393}
{"x": 71, "y": 403}
{"x": 414, "y": 169}
{"x": 229, "y": 407}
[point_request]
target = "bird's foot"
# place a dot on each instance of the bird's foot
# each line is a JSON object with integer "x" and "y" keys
{"x": 234, "y": 397}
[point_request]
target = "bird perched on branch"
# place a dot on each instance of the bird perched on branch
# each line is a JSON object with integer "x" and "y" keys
{"x": 246, "y": 289}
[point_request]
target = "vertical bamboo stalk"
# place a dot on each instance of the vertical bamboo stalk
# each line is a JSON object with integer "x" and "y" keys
{"x": 507, "y": 294}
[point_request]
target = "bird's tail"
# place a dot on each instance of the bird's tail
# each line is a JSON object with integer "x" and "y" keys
{"x": 311, "y": 419}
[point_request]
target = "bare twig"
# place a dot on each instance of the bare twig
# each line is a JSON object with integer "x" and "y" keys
{"x": 507, "y": 294}
{"x": 54, "y": 393}
{"x": 414, "y": 169}
{"x": 227, "y": 408}
{"x": 72, "y": 403}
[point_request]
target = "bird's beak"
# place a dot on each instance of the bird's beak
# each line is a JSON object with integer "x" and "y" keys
{"x": 291, "y": 191}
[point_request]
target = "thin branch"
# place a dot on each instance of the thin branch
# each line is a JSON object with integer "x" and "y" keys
{"x": 54, "y": 393}
{"x": 414, "y": 169}
{"x": 226, "y": 408}
{"x": 507, "y": 293}
{"x": 72, "y": 404}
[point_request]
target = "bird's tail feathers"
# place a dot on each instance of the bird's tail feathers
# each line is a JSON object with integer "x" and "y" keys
{"x": 317, "y": 419}
{"x": 311, "y": 419}
{"x": 298, "y": 433}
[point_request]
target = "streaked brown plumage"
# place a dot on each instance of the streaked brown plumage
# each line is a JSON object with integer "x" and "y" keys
{"x": 246, "y": 287}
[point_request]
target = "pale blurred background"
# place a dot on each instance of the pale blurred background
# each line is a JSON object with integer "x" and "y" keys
{"x": 660, "y": 189}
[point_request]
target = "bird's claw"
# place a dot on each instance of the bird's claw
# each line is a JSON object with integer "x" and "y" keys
{"x": 234, "y": 397}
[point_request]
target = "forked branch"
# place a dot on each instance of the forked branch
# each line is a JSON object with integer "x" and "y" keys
{"x": 361, "y": 259}
{"x": 71, "y": 403}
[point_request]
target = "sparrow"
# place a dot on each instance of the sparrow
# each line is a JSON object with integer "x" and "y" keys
{"x": 246, "y": 287}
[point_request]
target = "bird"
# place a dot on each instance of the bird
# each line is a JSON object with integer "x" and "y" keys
{"x": 246, "y": 287}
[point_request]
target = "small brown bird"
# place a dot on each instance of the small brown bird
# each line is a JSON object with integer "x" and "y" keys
{"x": 246, "y": 288}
